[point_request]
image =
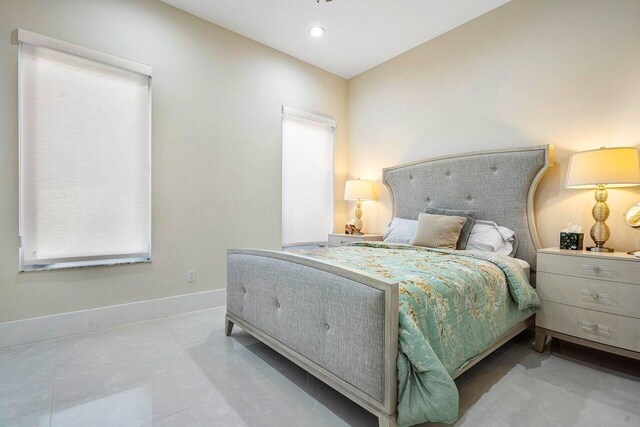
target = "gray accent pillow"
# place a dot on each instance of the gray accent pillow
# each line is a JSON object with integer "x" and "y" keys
{"x": 466, "y": 229}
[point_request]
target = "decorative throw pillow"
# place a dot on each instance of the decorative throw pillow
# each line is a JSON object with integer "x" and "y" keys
{"x": 466, "y": 230}
{"x": 438, "y": 231}
{"x": 401, "y": 230}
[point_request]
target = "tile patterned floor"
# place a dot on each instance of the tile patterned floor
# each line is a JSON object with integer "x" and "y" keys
{"x": 183, "y": 371}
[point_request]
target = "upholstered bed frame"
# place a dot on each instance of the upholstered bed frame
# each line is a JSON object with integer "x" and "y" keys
{"x": 341, "y": 324}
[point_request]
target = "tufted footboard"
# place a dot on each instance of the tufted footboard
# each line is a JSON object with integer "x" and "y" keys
{"x": 337, "y": 323}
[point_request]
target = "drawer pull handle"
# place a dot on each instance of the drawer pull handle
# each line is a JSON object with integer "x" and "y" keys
{"x": 596, "y": 329}
{"x": 596, "y": 270}
{"x": 593, "y": 296}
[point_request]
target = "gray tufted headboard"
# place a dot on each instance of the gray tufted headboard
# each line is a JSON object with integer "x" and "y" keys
{"x": 499, "y": 185}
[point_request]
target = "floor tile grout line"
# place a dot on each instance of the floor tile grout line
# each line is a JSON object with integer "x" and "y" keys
{"x": 53, "y": 381}
{"x": 9, "y": 347}
{"x": 177, "y": 412}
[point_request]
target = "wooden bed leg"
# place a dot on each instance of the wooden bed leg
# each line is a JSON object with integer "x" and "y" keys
{"x": 228, "y": 326}
{"x": 541, "y": 338}
{"x": 386, "y": 421}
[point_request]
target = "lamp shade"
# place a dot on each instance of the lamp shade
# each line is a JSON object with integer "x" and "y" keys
{"x": 613, "y": 167}
{"x": 358, "y": 189}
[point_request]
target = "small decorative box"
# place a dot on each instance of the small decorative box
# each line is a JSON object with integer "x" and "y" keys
{"x": 571, "y": 241}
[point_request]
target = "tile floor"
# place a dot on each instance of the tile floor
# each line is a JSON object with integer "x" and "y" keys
{"x": 183, "y": 371}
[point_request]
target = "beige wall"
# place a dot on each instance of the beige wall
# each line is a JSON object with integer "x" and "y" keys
{"x": 531, "y": 72}
{"x": 216, "y": 147}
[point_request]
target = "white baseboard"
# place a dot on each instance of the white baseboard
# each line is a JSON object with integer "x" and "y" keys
{"x": 77, "y": 322}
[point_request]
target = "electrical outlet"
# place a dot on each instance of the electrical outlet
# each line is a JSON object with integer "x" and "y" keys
{"x": 191, "y": 275}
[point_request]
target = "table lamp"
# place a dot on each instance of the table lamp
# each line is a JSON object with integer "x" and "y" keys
{"x": 358, "y": 189}
{"x": 601, "y": 169}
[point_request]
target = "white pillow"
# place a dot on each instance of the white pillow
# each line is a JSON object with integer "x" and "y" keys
{"x": 489, "y": 236}
{"x": 401, "y": 231}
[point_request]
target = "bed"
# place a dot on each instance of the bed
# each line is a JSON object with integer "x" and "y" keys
{"x": 368, "y": 319}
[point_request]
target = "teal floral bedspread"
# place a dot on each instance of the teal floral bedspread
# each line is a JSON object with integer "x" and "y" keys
{"x": 453, "y": 306}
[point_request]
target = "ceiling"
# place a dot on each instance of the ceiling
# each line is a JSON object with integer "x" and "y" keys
{"x": 360, "y": 34}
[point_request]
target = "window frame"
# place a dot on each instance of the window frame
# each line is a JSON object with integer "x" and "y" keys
{"x": 35, "y": 39}
{"x": 298, "y": 114}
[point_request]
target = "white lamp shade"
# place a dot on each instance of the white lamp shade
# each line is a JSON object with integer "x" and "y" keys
{"x": 358, "y": 189}
{"x": 613, "y": 167}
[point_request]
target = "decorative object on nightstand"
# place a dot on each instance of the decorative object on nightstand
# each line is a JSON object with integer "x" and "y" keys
{"x": 349, "y": 227}
{"x": 358, "y": 189}
{"x": 605, "y": 167}
{"x": 572, "y": 237}
{"x": 589, "y": 298}
{"x": 632, "y": 218}
{"x": 337, "y": 239}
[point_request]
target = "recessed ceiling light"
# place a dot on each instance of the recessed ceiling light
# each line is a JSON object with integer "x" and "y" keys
{"x": 316, "y": 31}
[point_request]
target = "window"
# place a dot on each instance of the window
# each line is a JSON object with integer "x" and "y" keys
{"x": 307, "y": 177}
{"x": 85, "y": 156}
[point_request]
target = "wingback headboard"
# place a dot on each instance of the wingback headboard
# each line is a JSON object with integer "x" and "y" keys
{"x": 499, "y": 185}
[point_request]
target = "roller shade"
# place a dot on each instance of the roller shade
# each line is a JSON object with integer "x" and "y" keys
{"x": 85, "y": 156}
{"x": 307, "y": 177}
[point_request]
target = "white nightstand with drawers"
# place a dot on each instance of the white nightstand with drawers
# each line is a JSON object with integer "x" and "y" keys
{"x": 589, "y": 298}
{"x": 340, "y": 239}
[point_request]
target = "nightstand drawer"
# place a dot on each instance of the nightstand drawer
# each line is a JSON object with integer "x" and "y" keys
{"x": 610, "y": 297}
{"x": 341, "y": 240}
{"x": 590, "y": 267}
{"x": 605, "y": 328}
{"x": 337, "y": 239}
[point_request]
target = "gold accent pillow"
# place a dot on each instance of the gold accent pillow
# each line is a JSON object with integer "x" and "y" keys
{"x": 438, "y": 231}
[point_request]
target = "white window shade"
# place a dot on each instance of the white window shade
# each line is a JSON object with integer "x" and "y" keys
{"x": 85, "y": 171}
{"x": 307, "y": 178}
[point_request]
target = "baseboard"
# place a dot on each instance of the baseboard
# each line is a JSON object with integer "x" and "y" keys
{"x": 77, "y": 322}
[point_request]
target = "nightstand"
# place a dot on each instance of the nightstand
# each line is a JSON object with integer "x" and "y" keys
{"x": 340, "y": 239}
{"x": 589, "y": 298}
